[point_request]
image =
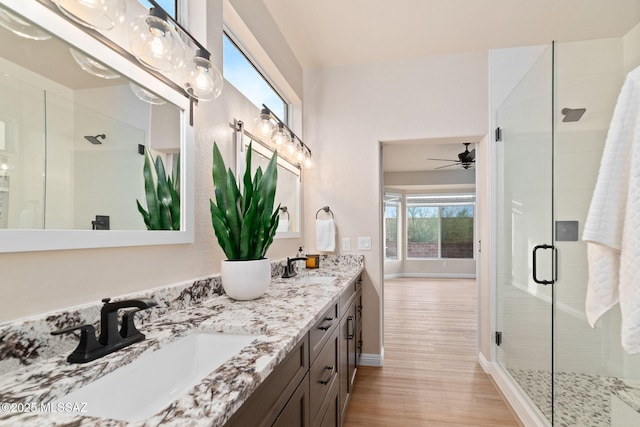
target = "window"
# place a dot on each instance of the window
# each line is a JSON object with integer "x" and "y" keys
{"x": 391, "y": 209}
{"x": 440, "y": 226}
{"x": 170, "y": 6}
{"x": 241, "y": 73}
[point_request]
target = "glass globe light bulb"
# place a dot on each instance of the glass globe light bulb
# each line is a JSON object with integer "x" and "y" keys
{"x": 300, "y": 154}
{"x": 202, "y": 80}
{"x": 155, "y": 43}
{"x": 21, "y": 27}
{"x": 291, "y": 147}
{"x": 263, "y": 126}
{"x": 280, "y": 136}
{"x": 308, "y": 162}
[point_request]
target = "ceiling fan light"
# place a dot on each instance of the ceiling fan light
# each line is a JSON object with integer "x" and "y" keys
{"x": 96, "y": 14}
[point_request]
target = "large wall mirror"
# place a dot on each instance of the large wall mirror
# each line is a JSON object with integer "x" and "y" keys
{"x": 74, "y": 131}
{"x": 288, "y": 191}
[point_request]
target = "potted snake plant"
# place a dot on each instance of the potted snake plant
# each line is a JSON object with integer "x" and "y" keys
{"x": 162, "y": 194}
{"x": 244, "y": 222}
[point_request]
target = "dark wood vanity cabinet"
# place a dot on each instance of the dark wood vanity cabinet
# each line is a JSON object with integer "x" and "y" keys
{"x": 311, "y": 386}
{"x": 350, "y": 341}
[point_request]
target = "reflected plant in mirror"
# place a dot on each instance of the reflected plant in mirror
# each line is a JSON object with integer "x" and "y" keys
{"x": 162, "y": 193}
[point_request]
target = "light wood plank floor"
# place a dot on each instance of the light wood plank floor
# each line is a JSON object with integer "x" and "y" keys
{"x": 431, "y": 376}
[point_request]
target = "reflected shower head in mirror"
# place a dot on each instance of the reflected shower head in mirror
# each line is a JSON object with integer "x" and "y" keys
{"x": 94, "y": 139}
{"x": 572, "y": 114}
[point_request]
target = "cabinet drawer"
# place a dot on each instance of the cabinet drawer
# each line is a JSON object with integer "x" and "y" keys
{"x": 348, "y": 294}
{"x": 323, "y": 377}
{"x": 321, "y": 331}
{"x": 265, "y": 404}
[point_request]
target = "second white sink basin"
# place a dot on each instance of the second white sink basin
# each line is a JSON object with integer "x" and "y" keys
{"x": 316, "y": 279}
{"x": 140, "y": 389}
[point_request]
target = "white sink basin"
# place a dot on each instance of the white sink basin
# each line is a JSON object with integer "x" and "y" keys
{"x": 320, "y": 280}
{"x": 140, "y": 389}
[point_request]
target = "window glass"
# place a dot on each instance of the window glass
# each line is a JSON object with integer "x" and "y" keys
{"x": 241, "y": 73}
{"x": 440, "y": 226}
{"x": 456, "y": 223}
{"x": 168, "y": 5}
{"x": 391, "y": 208}
{"x": 422, "y": 231}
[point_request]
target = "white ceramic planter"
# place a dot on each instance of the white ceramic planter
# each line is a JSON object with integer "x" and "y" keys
{"x": 245, "y": 280}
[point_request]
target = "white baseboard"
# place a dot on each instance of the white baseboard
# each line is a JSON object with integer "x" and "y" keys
{"x": 368, "y": 359}
{"x": 393, "y": 276}
{"x": 528, "y": 415}
{"x": 484, "y": 364}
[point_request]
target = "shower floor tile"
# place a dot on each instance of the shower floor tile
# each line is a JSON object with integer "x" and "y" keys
{"x": 582, "y": 400}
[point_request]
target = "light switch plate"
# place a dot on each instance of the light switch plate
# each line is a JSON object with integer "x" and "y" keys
{"x": 364, "y": 243}
{"x": 346, "y": 244}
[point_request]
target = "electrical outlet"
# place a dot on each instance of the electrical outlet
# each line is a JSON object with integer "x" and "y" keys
{"x": 346, "y": 244}
{"x": 364, "y": 243}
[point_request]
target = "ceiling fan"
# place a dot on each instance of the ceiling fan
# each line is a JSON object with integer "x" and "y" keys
{"x": 466, "y": 159}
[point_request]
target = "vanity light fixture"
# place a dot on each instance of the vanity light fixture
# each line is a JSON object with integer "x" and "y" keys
{"x": 201, "y": 79}
{"x": 92, "y": 66}
{"x": 21, "y": 27}
{"x": 155, "y": 43}
{"x": 263, "y": 125}
{"x": 96, "y": 14}
{"x": 282, "y": 138}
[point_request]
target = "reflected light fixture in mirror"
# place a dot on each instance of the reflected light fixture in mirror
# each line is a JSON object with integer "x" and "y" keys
{"x": 92, "y": 66}
{"x": 145, "y": 95}
{"x": 96, "y": 14}
{"x": 20, "y": 27}
{"x": 155, "y": 43}
{"x": 201, "y": 79}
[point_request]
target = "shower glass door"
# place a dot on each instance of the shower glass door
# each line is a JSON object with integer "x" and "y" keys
{"x": 525, "y": 235}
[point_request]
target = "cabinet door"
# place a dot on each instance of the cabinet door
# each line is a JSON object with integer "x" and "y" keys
{"x": 347, "y": 355}
{"x": 296, "y": 411}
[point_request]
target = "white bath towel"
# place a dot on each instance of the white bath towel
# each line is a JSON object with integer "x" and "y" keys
{"x": 325, "y": 235}
{"x": 283, "y": 226}
{"x": 612, "y": 229}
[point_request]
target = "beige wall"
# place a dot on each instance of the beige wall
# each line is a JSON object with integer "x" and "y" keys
{"x": 36, "y": 282}
{"x": 349, "y": 110}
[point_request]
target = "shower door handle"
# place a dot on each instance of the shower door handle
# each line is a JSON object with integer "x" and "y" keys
{"x": 535, "y": 264}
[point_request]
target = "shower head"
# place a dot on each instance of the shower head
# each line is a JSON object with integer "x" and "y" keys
{"x": 572, "y": 114}
{"x": 94, "y": 139}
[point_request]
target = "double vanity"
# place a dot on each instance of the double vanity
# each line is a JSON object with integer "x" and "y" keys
{"x": 287, "y": 358}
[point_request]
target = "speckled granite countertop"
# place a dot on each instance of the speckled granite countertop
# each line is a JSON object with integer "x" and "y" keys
{"x": 280, "y": 318}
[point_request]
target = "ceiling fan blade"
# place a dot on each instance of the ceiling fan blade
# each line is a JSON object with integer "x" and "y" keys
{"x": 446, "y": 166}
{"x": 472, "y": 155}
{"x": 444, "y": 160}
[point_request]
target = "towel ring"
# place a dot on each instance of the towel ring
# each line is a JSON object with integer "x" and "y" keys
{"x": 326, "y": 209}
{"x": 285, "y": 210}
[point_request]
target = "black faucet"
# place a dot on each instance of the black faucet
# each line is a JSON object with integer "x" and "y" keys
{"x": 111, "y": 339}
{"x": 289, "y": 270}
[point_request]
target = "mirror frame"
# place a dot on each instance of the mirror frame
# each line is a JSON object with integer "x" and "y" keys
{"x": 45, "y": 240}
{"x": 240, "y": 132}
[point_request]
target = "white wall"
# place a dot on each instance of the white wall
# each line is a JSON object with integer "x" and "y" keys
{"x": 349, "y": 110}
{"x": 37, "y": 282}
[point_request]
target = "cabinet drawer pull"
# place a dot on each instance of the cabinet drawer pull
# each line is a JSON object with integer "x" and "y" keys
{"x": 331, "y": 372}
{"x": 326, "y": 327}
{"x": 351, "y": 320}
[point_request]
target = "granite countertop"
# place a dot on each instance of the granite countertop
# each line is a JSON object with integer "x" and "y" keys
{"x": 280, "y": 318}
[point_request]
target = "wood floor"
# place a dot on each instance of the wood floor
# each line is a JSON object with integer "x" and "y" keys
{"x": 431, "y": 376}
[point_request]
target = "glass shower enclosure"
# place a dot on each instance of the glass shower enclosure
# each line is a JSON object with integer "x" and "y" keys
{"x": 549, "y": 141}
